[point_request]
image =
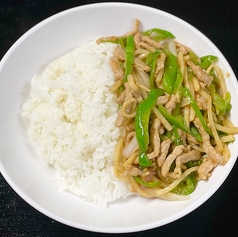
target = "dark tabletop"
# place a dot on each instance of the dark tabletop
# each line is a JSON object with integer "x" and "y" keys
{"x": 219, "y": 215}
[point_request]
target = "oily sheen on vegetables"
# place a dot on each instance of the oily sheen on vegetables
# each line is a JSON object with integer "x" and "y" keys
{"x": 173, "y": 108}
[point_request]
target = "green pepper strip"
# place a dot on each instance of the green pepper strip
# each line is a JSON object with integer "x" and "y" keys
{"x": 120, "y": 41}
{"x": 173, "y": 120}
{"x": 196, "y": 109}
{"x": 222, "y": 105}
{"x": 170, "y": 72}
{"x": 146, "y": 184}
{"x": 176, "y": 111}
{"x": 152, "y": 70}
{"x": 177, "y": 139}
{"x": 178, "y": 82}
{"x": 142, "y": 123}
{"x": 144, "y": 161}
{"x": 149, "y": 58}
{"x": 206, "y": 61}
{"x": 193, "y": 163}
{"x": 186, "y": 186}
{"x": 194, "y": 58}
{"x": 196, "y": 133}
{"x": 142, "y": 117}
{"x": 159, "y": 34}
{"x": 130, "y": 47}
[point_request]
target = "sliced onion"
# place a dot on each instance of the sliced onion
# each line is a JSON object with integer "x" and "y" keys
{"x": 174, "y": 197}
{"x": 131, "y": 147}
{"x": 142, "y": 77}
{"x": 172, "y": 47}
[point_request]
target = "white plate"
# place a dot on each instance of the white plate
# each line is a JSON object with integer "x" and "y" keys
{"x": 25, "y": 171}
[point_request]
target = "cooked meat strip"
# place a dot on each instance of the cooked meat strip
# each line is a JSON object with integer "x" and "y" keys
{"x": 163, "y": 99}
{"x": 137, "y": 40}
{"x": 201, "y": 101}
{"x": 200, "y": 73}
{"x": 160, "y": 62}
{"x": 128, "y": 95}
{"x": 183, "y": 49}
{"x": 164, "y": 149}
{"x": 191, "y": 139}
{"x": 184, "y": 158}
{"x": 150, "y": 174}
{"x": 140, "y": 64}
{"x": 146, "y": 46}
{"x": 161, "y": 130}
{"x": 116, "y": 68}
{"x": 183, "y": 138}
{"x": 152, "y": 42}
{"x": 131, "y": 170}
{"x": 121, "y": 98}
{"x": 205, "y": 168}
{"x": 171, "y": 104}
{"x": 120, "y": 53}
{"x": 178, "y": 150}
{"x": 128, "y": 91}
{"x": 202, "y": 85}
{"x": 155, "y": 139}
{"x": 208, "y": 148}
{"x": 133, "y": 32}
{"x": 136, "y": 28}
{"x": 120, "y": 119}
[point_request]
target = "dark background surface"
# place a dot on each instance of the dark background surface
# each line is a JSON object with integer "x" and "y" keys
{"x": 219, "y": 215}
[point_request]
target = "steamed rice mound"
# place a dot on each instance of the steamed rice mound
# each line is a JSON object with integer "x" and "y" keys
{"x": 71, "y": 115}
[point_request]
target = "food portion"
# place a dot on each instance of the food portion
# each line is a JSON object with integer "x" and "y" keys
{"x": 71, "y": 114}
{"x": 135, "y": 114}
{"x": 173, "y": 114}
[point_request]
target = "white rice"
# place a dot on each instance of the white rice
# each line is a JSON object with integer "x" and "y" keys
{"x": 71, "y": 113}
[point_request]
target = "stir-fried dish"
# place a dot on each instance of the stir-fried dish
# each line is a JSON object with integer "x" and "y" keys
{"x": 173, "y": 114}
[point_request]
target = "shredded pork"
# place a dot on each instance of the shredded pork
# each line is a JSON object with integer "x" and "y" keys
{"x": 200, "y": 73}
{"x": 171, "y": 157}
{"x": 208, "y": 148}
{"x": 204, "y": 170}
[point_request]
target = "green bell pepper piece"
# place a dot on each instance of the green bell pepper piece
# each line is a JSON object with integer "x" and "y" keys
{"x": 176, "y": 112}
{"x": 206, "y": 61}
{"x": 149, "y": 58}
{"x": 177, "y": 140}
{"x": 222, "y": 105}
{"x": 152, "y": 70}
{"x": 158, "y": 34}
{"x": 170, "y": 72}
{"x": 166, "y": 135}
{"x": 146, "y": 184}
{"x": 142, "y": 117}
{"x": 142, "y": 124}
{"x": 173, "y": 120}
{"x": 193, "y": 163}
{"x": 195, "y": 133}
{"x": 196, "y": 109}
{"x": 144, "y": 161}
{"x": 178, "y": 82}
{"x": 194, "y": 58}
{"x": 187, "y": 186}
{"x": 121, "y": 41}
